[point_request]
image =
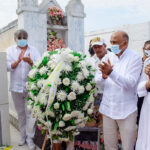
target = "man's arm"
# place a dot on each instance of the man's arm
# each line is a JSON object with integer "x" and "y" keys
{"x": 131, "y": 78}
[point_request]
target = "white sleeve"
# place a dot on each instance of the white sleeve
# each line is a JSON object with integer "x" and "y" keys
{"x": 141, "y": 89}
{"x": 98, "y": 78}
{"x": 9, "y": 60}
{"x": 131, "y": 78}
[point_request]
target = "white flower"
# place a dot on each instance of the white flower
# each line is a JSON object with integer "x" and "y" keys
{"x": 59, "y": 81}
{"x": 48, "y": 124}
{"x": 43, "y": 70}
{"x": 80, "y": 76}
{"x": 76, "y": 133}
{"x": 43, "y": 99}
{"x": 82, "y": 64}
{"x": 56, "y": 105}
{"x": 28, "y": 86}
{"x": 38, "y": 62}
{"x": 51, "y": 114}
{"x": 85, "y": 72}
{"x": 67, "y": 68}
{"x": 81, "y": 125}
{"x": 61, "y": 95}
{"x": 46, "y": 54}
{"x": 81, "y": 89}
{"x": 76, "y": 58}
{"x": 88, "y": 87}
{"x": 81, "y": 116}
{"x": 75, "y": 113}
{"x": 71, "y": 96}
{"x": 32, "y": 73}
{"x": 77, "y": 121}
{"x": 40, "y": 83}
{"x": 29, "y": 108}
{"x": 90, "y": 111}
{"x": 86, "y": 105}
{"x": 61, "y": 124}
{"x": 31, "y": 95}
{"x": 91, "y": 99}
{"x": 75, "y": 85}
{"x": 49, "y": 64}
{"x": 53, "y": 65}
{"x": 70, "y": 128}
{"x": 63, "y": 139}
{"x": 41, "y": 115}
{"x": 70, "y": 57}
{"x": 33, "y": 86}
{"x": 67, "y": 117}
{"x": 66, "y": 81}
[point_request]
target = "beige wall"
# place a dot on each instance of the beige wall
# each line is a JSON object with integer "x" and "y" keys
{"x": 7, "y": 38}
{"x": 138, "y": 34}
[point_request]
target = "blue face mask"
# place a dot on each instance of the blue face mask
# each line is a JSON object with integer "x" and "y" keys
{"x": 22, "y": 43}
{"x": 147, "y": 53}
{"x": 115, "y": 49}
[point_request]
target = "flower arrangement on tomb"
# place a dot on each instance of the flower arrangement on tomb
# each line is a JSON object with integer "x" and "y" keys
{"x": 55, "y": 14}
{"x": 61, "y": 93}
{"x": 53, "y": 42}
{"x": 6, "y": 148}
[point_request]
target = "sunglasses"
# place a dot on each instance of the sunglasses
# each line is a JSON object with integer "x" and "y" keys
{"x": 19, "y": 38}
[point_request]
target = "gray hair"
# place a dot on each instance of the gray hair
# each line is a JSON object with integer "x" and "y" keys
{"x": 20, "y": 32}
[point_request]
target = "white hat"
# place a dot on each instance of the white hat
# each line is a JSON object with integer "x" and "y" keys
{"x": 97, "y": 41}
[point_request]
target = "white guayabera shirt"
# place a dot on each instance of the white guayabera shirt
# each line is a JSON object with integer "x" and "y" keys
{"x": 95, "y": 62}
{"x": 18, "y": 76}
{"x": 120, "y": 88}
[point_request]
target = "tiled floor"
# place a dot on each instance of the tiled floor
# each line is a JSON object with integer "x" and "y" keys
{"x": 15, "y": 136}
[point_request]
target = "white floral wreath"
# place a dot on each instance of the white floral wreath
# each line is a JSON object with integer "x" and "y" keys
{"x": 61, "y": 93}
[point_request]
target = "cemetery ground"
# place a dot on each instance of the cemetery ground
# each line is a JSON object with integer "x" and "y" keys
{"x": 15, "y": 137}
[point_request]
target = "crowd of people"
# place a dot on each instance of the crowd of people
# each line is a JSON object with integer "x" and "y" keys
{"x": 122, "y": 78}
{"x": 123, "y": 81}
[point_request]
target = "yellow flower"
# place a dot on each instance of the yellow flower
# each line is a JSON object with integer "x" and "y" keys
{"x": 8, "y": 148}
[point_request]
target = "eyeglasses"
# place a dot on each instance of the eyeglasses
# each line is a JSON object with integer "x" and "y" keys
{"x": 19, "y": 38}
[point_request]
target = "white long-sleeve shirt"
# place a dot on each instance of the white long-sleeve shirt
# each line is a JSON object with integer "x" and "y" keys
{"x": 120, "y": 88}
{"x": 18, "y": 76}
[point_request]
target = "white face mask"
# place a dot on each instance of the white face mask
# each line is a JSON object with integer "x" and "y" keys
{"x": 147, "y": 53}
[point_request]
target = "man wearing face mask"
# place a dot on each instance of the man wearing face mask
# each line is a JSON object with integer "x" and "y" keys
{"x": 20, "y": 58}
{"x": 120, "y": 72}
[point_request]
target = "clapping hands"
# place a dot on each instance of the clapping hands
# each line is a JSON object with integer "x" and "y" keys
{"x": 106, "y": 68}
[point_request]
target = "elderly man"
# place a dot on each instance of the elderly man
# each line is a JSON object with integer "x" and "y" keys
{"x": 99, "y": 47}
{"x": 20, "y": 58}
{"x": 120, "y": 72}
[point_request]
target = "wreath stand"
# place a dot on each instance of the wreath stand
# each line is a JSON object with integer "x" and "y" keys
{"x": 56, "y": 146}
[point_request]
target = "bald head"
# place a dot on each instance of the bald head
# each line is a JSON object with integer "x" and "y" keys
{"x": 120, "y": 38}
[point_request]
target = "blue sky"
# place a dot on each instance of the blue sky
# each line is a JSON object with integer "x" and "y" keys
{"x": 100, "y": 14}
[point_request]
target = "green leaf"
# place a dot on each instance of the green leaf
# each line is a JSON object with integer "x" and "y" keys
{"x": 52, "y": 52}
{"x": 56, "y": 126}
{"x": 84, "y": 56}
{"x": 45, "y": 61}
{"x": 76, "y": 54}
{"x": 49, "y": 85}
{"x": 43, "y": 131}
{"x": 45, "y": 76}
{"x": 35, "y": 92}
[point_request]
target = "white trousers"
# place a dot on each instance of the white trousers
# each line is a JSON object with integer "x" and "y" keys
{"x": 127, "y": 128}
{"x": 24, "y": 116}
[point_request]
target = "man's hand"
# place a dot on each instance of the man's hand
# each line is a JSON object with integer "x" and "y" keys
{"x": 28, "y": 60}
{"x": 147, "y": 70}
{"x": 15, "y": 64}
{"x": 106, "y": 69}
